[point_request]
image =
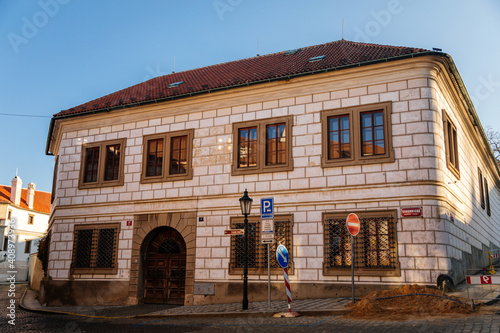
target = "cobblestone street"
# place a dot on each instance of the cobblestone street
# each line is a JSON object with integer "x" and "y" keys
{"x": 45, "y": 322}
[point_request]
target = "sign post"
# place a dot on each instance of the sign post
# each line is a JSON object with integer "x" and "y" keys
{"x": 267, "y": 235}
{"x": 283, "y": 259}
{"x": 353, "y": 227}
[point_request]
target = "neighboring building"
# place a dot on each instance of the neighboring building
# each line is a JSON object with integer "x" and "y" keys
{"x": 148, "y": 178}
{"x": 25, "y": 212}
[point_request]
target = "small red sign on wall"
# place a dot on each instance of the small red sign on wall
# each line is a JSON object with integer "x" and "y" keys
{"x": 129, "y": 223}
{"x": 411, "y": 211}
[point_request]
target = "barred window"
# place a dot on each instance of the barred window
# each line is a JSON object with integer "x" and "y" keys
{"x": 375, "y": 247}
{"x": 257, "y": 252}
{"x": 95, "y": 248}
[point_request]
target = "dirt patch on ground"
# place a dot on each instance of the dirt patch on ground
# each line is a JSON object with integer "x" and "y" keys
{"x": 410, "y": 301}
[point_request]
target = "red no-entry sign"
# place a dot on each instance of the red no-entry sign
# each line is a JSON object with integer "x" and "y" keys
{"x": 353, "y": 224}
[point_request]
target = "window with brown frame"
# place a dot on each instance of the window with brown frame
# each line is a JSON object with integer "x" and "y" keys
{"x": 339, "y": 141}
{"x": 30, "y": 219}
{"x": 375, "y": 247}
{"x": 168, "y": 156}
{"x": 263, "y": 145}
{"x": 481, "y": 188}
{"x": 488, "y": 210}
{"x": 257, "y": 252}
{"x": 9, "y": 214}
{"x": 357, "y": 135}
{"x": 451, "y": 144}
{"x": 95, "y": 249}
{"x": 102, "y": 164}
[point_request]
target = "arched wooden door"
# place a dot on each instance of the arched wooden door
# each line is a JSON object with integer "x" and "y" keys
{"x": 165, "y": 268}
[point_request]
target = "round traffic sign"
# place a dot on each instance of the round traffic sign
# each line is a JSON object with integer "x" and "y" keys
{"x": 282, "y": 256}
{"x": 353, "y": 224}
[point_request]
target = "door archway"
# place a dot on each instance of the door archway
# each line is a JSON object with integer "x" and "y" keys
{"x": 165, "y": 267}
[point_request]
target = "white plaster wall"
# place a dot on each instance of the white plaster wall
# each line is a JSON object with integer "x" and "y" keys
{"x": 425, "y": 245}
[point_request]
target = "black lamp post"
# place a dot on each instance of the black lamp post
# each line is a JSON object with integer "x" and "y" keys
{"x": 246, "y": 206}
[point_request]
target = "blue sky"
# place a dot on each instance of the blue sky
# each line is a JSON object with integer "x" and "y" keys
{"x": 56, "y": 54}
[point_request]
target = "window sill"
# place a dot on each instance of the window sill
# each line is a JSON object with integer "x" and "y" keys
{"x": 261, "y": 271}
{"x": 384, "y": 272}
{"x": 94, "y": 270}
{"x": 267, "y": 169}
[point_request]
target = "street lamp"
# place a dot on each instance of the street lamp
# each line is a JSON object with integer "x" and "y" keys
{"x": 246, "y": 206}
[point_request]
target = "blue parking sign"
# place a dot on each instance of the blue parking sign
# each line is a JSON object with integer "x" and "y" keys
{"x": 267, "y": 208}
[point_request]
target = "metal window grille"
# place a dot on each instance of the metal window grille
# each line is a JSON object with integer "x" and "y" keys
{"x": 105, "y": 248}
{"x": 374, "y": 246}
{"x": 95, "y": 248}
{"x": 239, "y": 246}
{"x": 257, "y": 252}
{"x": 169, "y": 246}
{"x": 83, "y": 248}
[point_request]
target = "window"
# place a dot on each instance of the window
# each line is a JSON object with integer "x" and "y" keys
{"x": 30, "y": 219}
{"x": 54, "y": 180}
{"x": 257, "y": 252}
{"x": 168, "y": 156}
{"x": 375, "y": 247}
{"x": 357, "y": 135}
{"x": 262, "y": 146}
{"x": 5, "y": 243}
{"x": 27, "y": 247}
{"x": 102, "y": 164}
{"x": 9, "y": 214}
{"x": 488, "y": 210}
{"x": 481, "y": 188}
{"x": 450, "y": 140}
{"x": 95, "y": 249}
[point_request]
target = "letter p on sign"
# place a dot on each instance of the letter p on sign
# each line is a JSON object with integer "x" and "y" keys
{"x": 267, "y": 208}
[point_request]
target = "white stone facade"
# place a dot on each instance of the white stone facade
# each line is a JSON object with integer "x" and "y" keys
{"x": 418, "y": 91}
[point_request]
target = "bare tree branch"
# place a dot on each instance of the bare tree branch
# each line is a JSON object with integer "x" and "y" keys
{"x": 494, "y": 140}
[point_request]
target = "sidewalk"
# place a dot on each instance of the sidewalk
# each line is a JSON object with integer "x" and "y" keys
{"x": 307, "y": 307}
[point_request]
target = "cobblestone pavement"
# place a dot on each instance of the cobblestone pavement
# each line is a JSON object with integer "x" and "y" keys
{"x": 45, "y": 322}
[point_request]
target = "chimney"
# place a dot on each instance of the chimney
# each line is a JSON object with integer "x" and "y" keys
{"x": 15, "y": 190}
{"x": 31, "y": 195}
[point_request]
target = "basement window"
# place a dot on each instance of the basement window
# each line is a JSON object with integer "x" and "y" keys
{"x": 319, "y": 58}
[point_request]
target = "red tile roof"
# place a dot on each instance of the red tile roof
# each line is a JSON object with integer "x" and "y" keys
{"x": 41, "y": 203}
{"x": 339, "y": 54}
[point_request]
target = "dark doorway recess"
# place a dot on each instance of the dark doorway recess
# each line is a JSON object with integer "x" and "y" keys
{"x": 165, "y": 268}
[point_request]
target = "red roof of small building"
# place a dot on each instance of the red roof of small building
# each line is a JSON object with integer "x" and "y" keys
{"x": 41, "y": 203}
{"x": 337, "y": 55}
